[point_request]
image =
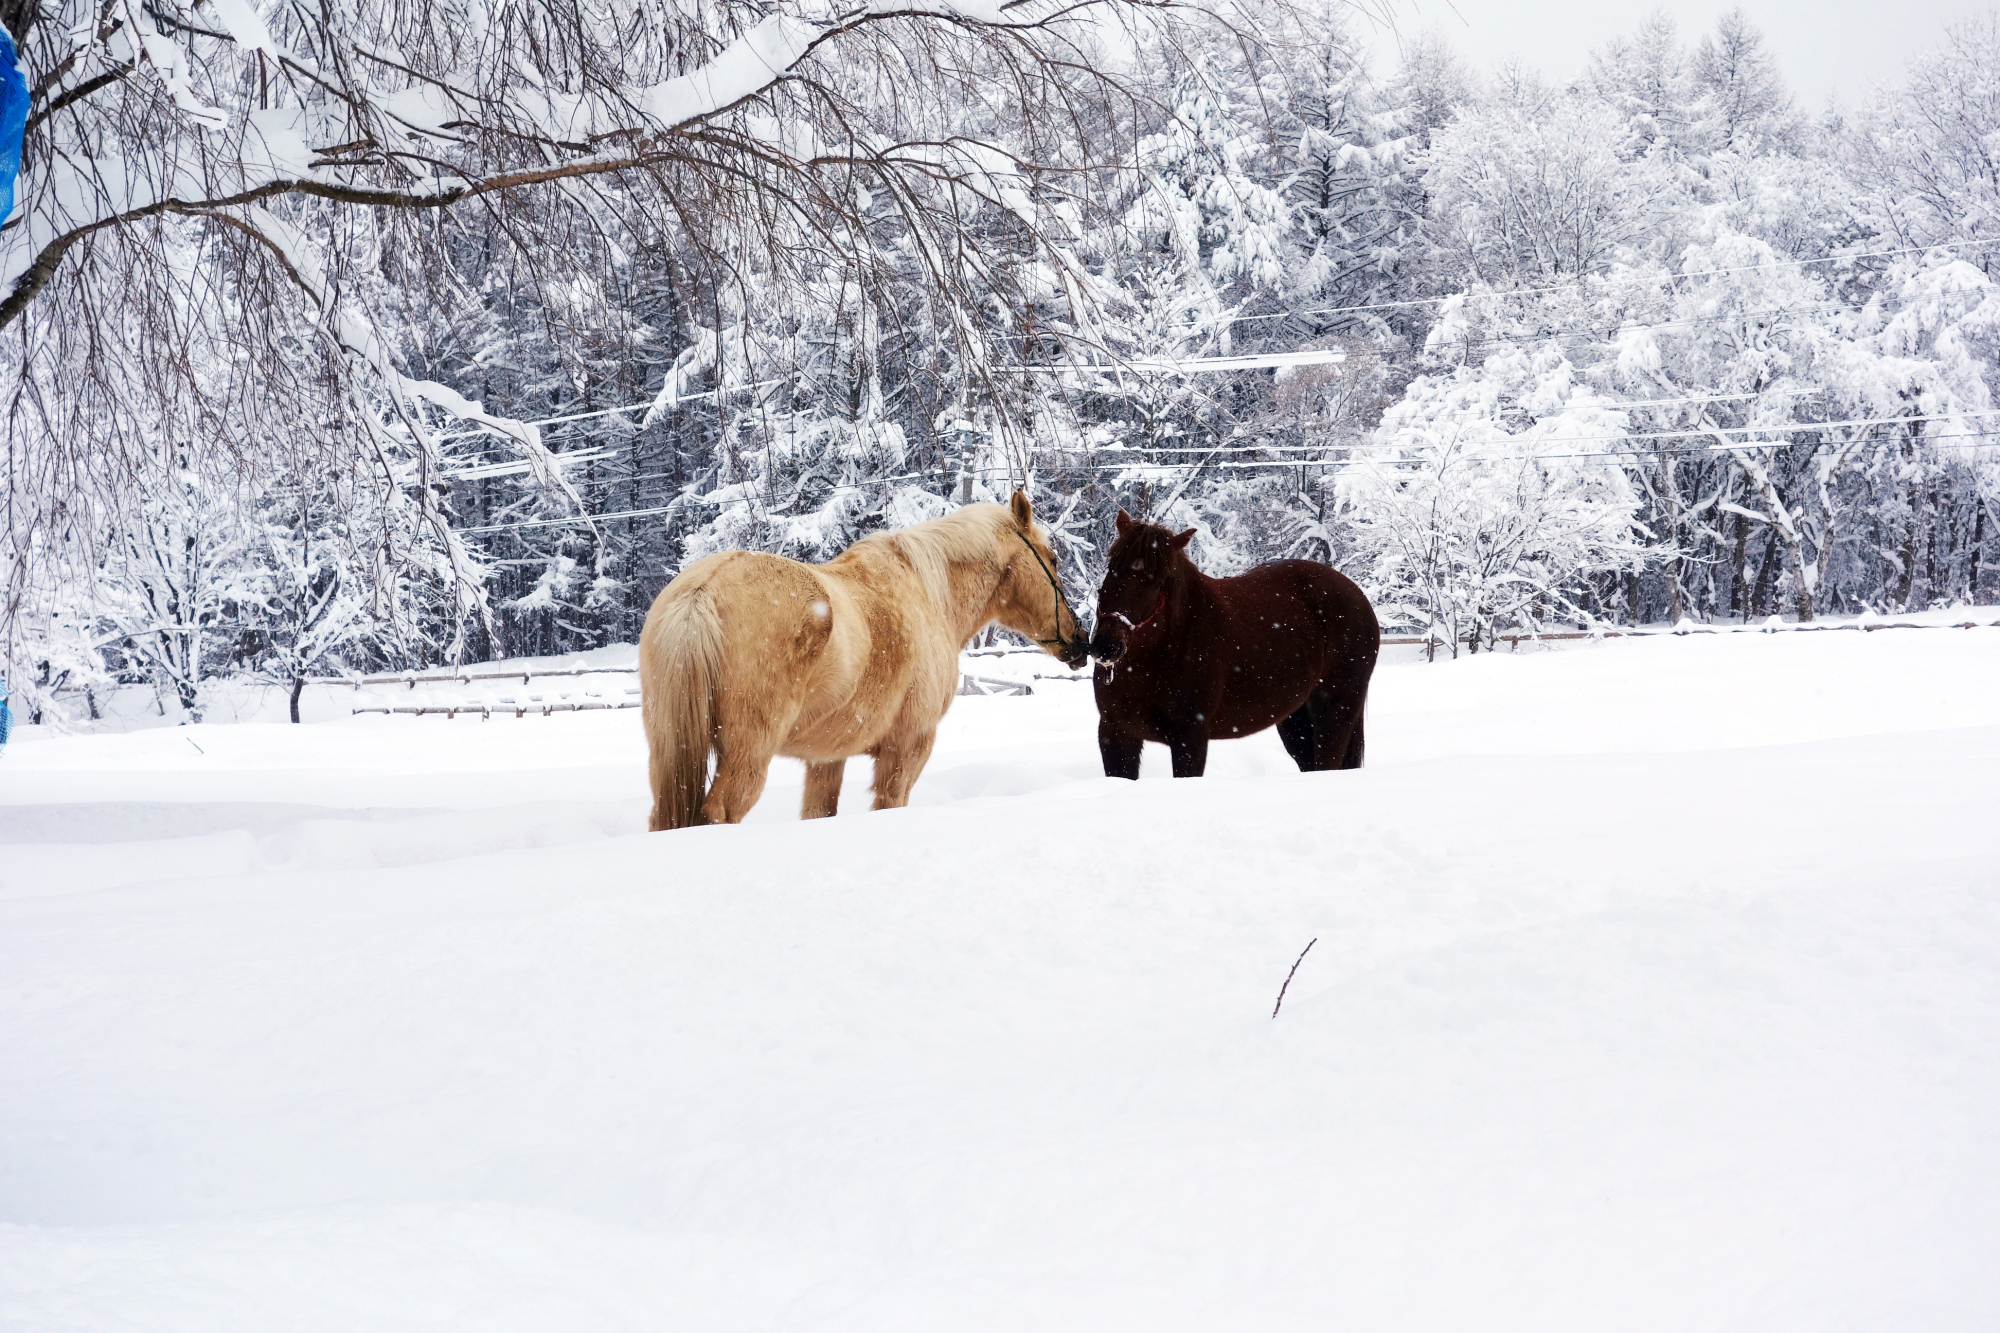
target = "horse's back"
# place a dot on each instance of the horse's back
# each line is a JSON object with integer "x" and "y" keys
{"x": 774, "y": 617}
{"x": 738, "y": 576}
{"x": 1333, "y": 603}
{"x": 757, "y": 594}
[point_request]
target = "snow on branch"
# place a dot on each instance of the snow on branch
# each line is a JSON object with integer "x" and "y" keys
{"x": 361, "y": 124}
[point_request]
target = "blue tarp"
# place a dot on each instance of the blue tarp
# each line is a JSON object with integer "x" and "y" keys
{"x": 6, "y": 717}
{"x": 13, "y": 119}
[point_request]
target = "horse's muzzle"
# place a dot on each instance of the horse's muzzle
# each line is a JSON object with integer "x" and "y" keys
{"x": 1107, "y": 647}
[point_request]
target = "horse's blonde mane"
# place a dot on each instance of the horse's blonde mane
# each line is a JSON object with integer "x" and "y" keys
{"x": 970, "y": 535}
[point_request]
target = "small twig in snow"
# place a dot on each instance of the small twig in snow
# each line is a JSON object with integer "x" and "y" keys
{"x": 200, "y": 751}
{"x": 1294, "y": 972}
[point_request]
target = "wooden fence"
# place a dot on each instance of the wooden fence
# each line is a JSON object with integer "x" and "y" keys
{"x": 970, "y": 683}
{"x": 1514, "y": 641}
{"x": 412, "y": 679}
{"x": 486, "y": 709}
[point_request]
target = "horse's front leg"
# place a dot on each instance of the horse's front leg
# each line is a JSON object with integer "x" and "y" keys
{"x": 822, "y": 797}
{"x": 1119, "y": 751}
{"x": 1190, "y": 752}
{"x": 899, "y": 761}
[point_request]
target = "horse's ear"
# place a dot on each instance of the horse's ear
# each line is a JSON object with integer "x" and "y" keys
{"x": 1024, "y": 510}
{"x": 1180, "y": 540}
{"x": 1126, "y": 523}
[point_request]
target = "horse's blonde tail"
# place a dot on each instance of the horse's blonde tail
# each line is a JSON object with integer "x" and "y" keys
{"x": 680, "y": 664}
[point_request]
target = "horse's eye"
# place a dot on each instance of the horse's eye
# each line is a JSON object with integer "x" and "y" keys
{"x": 1138, "y": 566}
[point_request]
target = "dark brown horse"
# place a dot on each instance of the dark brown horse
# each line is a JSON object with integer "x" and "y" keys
{"x": 1184, "y": 659}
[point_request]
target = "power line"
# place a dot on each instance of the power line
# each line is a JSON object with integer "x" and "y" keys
{"x": 1793, "y": 426}
{"x": 1140, "y": 365}
{"x": 482, "y": 471}
{"x": 1250, "y": 362}
{"x": 559, "y": 522}
{"x": 613, "y": 411}
{"x": 1573, "y": 286}
{"x": 1210, "y": 451}
{"x": 1483, "y": 340}
{"x": 1305, "y": 358}
{"x": 485, "y": 471}
{"x": 1257, "y": 361}
{"x": 1705, "y": 452}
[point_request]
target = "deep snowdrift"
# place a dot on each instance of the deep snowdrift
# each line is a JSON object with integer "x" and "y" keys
{"x": 1657, "y": 986}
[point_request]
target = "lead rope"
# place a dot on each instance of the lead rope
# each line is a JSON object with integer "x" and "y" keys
{"x": 1149, "y": 615}
{"x": 1111, "y": 668}
{"x": 1062, "y": 602}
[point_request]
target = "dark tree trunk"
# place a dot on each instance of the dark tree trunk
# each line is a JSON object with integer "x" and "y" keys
{"x": 1908, "y": 555}
{"x": 1738, "y": 606}
{"x": 1978, "y": 547}
{"x": 19, "y": 16}
{"x": 1930, "y": 549}
{"x": 1765, "y": 568}
{"x": 1802, "y": 591}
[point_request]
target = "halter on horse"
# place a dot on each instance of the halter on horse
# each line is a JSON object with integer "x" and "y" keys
{"x": 1063, "y": 646}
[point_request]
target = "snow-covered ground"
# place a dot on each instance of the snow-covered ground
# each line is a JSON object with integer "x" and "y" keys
{"x": 1656, "y": 986}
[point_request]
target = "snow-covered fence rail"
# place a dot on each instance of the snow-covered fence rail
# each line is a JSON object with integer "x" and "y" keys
{"x": 466, "y": 678}
{"x": 969, "y": 683}
{"x": 1685, "y": 628}
{"x": 589, "y": 700}
{"x": 486, "y": 709}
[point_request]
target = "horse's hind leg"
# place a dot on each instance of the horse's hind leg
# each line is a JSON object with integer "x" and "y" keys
{"x": 899, "y": 761}
{"x": 1336, "y": 718}
{"x": 823, "y": 789}
{"x": 739, "y": 781}
{"x": 1296, "y": 732}
{"x": 1355, "y": 745}
{"x": 746, "y": 740}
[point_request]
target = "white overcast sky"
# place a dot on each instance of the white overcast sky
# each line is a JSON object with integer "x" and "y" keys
{"x": 1821, "y": 45}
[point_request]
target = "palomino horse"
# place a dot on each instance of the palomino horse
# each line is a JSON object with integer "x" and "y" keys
{"x": 1184, "y": 659}
{"x": 754, "y": 655}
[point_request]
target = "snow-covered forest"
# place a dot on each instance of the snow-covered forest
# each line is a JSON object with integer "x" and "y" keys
{"x": 394, "y": 334}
